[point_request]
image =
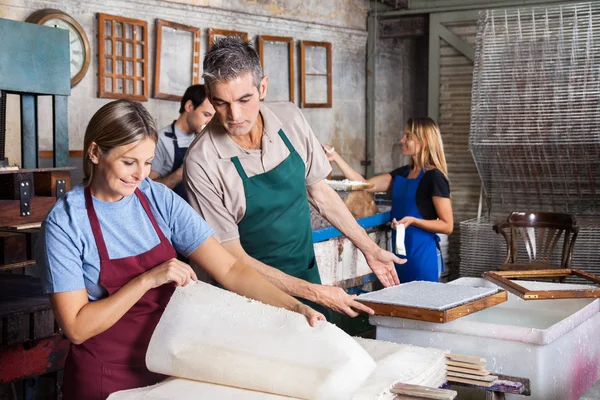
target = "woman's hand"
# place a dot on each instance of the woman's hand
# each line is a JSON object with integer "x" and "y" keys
{"x": 170, "y": 271}
{"x": 406, "y": 221}
{"x": 330, "y": 153}
{"x": 311, "y": 315}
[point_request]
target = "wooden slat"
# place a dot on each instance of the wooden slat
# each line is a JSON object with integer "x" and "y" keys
{"x": 474, "y": 306}
{"x": 465, "y": 365}
{"x": 19, "y": 265}
{"x": 480, "y": 372}
{"x": 472, "y": 381}
{"x": 423, "y": 392}
{"x": 465, "y": 358}
{"x": 486, "y": 378}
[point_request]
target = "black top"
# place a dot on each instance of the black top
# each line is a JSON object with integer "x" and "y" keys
{"x": 434, "y": 183}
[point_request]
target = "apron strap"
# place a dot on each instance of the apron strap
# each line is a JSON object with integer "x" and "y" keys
{"x": 286, "y": 141}
{"x": 89, "y": 205}
{"x": 144, "y": 200}
{"x": 236, "y": 161}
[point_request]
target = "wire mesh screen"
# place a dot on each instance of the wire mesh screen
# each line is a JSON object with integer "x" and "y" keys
{"x": 535, "y": 113}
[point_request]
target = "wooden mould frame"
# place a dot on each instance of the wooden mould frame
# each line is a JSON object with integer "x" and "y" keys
{"x": 438, "y": 316}
{"x": 224, "y": 32}
{"x": 303, "y": 45}
{"x": 502, "y": 279}
{"x": 195, "y": 78}
{"x": 261, "y": 53}
{"x": 134, "y": 59}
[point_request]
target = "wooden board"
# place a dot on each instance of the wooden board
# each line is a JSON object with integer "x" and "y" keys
{"x": 423, "y": 392}
{"x": 465, "y": 365}
{"x": 10, "y": 211}
{"x": 471, "y": 381}
{"x": 438, "y": 316}
{"x": 487, "y": 378}
{"x": 502, "y": 279}
{"x": 480, "y": 372}
{"x": 462, "y": 358}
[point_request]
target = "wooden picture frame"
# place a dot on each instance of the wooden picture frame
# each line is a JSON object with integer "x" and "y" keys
{"x": 437, "y": 316}
{"x": 176, "y": 71}
{"x": 122, "y": 58}
{"x": 306, "y": 72}
{"x": 212, "y": 33}
{"x": 503, "y": 279}
{"x": 261, "y": 53}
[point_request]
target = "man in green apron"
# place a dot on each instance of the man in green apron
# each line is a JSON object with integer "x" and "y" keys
{"x": 252, "y": 174}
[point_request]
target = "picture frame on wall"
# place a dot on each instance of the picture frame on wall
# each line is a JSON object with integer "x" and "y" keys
{"x": 213, "y": 34}
{"x": 275, "y": 52}
{"x": 316, "y": 89}
{"x": 177, "y": 59}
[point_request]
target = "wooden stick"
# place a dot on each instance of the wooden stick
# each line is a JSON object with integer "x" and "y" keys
{"x": 460, "y": 357}
{"x": 465, "y": 365}
{"x": 423, "y": 392}
{"x": 481, "y": 372}
{"x": 471, "y": 381}
{"x": 487, "y": 378}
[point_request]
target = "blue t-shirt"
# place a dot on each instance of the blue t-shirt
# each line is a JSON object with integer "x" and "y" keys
{"x": 66, "y": 251}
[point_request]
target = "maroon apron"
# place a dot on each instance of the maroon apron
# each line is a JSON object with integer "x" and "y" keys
{"x": 116, "y": 358}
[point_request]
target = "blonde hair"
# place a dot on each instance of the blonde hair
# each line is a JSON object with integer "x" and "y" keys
{"x": 117, "y": 123}
{"x": 431, "y": 155}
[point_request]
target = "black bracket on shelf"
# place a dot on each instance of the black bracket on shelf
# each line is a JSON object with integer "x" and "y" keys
{"x": 25, "y": 188}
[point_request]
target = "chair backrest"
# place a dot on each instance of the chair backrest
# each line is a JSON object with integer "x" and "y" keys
{"x": 534, "y": 238}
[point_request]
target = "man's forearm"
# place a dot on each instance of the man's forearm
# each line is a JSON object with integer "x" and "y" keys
{"x": 171, "y": 180}
{"x": 333, "y": 209}
{"x": 293, "y": 286}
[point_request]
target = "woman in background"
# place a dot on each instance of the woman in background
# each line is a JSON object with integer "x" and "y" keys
{"x": 420, "y": 197}
{"x": 108, "y": 255}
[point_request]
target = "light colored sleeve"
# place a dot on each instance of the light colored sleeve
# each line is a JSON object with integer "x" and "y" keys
{"x": 160, "y": 163}
{"x": 188, "y": 229}
{"x": 58, "y": 259}
{"x": 317, "y": 165}
{"x": 208, "y": 200}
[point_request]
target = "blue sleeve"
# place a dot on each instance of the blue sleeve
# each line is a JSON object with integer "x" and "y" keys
{"x": 58, "y": 259}
{"x": 188, "y": 228}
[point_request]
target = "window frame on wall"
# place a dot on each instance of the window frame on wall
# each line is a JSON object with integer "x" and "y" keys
{"x": 195, "y": 78}
{"x": 102, "y": 57}
{"x": 261, "y": 39}
{"x": 224, "y": 32}
{"x": 327, "y": 45}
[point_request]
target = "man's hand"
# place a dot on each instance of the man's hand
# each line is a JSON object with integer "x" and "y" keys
{"x": 382, "y": 263}
{"x": 336, "y": 299}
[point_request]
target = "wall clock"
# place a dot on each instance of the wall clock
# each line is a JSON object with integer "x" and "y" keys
{"x": 79, "y": 44}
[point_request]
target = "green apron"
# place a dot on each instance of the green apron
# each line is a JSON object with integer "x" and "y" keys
{"x": 276, "y": 227}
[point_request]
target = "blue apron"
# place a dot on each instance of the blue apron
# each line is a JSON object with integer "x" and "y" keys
{"x": 421, "y": 245}
{"x": 178, "y": 157}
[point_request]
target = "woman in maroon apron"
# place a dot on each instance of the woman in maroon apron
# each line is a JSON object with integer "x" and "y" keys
{"x": 110, "y": 335}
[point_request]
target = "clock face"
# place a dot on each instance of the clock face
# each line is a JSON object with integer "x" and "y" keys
{"x": 77, "y": 46}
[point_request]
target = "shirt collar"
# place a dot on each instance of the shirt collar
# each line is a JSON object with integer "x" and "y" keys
{"x": 227, "y": 148}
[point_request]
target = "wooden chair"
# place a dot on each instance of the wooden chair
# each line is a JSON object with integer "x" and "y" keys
{"x": 539, "y": 234}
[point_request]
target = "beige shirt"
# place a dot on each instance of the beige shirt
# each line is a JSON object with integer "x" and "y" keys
{"x": 215, "y": 188}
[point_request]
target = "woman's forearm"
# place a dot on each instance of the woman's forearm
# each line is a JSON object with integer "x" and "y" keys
{"x": 97, "y": 316}
{"x": 244, "y": 280}
{"x": 347, "y": 170}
